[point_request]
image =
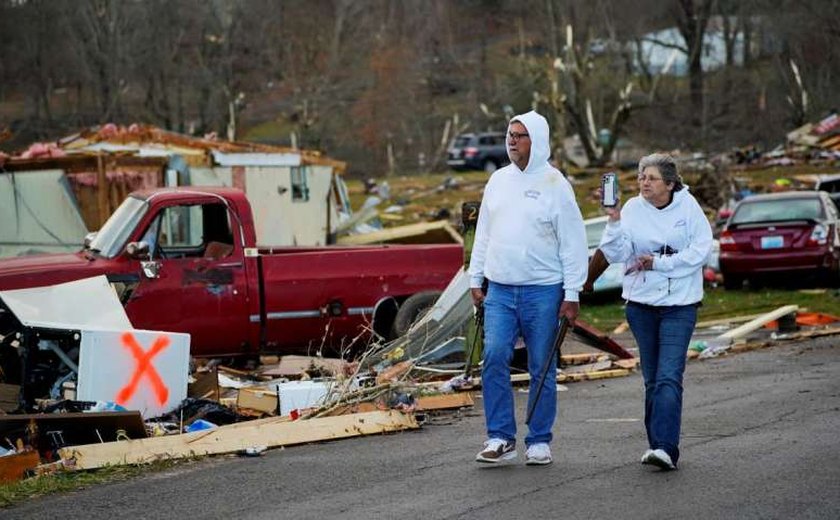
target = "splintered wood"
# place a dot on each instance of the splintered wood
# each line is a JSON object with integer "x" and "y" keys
{"x": 271, "y": 432}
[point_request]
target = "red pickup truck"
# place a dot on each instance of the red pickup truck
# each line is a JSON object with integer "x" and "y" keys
{"x": 186, "y": 260}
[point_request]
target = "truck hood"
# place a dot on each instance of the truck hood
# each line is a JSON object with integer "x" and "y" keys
{"x": 41, "y": 270}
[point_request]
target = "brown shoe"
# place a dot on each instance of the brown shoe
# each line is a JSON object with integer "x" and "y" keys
{"x": 497, "y": 450}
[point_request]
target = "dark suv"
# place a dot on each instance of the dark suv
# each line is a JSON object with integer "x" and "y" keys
{"x": 485, "y": 151}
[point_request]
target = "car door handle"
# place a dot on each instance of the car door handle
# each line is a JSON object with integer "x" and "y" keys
{"x": 229, "y": 265}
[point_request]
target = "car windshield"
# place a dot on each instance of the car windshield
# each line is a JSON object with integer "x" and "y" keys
{"x": 777, "y": 210}
{"x": 461, "y": 142}
{"x": 594, "y": 230}
{"x": 109, "y": 241}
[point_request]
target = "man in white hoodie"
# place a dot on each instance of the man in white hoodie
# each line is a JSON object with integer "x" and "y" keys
{"x": 664, "y": 238}
{"x": 530, "y": 246}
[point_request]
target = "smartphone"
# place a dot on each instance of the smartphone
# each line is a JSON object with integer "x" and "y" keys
{"x": 609, "y": 190}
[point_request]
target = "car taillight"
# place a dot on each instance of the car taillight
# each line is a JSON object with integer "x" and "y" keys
{"x": 819, "y": 236}
{"x": 470, "y": 152}
{"x": 727, "y": 242}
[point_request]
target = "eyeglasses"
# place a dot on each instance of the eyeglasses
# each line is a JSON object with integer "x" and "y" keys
{"x": 516, "y": 136}
{"x": 643, "y": 178}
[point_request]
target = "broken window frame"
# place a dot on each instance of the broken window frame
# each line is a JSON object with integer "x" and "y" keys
{"x": 300, "y": 184}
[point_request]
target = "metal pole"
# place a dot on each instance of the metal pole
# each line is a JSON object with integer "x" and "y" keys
{"x": 562, "y": 328}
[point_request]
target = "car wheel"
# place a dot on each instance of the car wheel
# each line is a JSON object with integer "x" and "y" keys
{"x": 412, "y": 309}
{"x": 731, "y": 282}
{"x": 490, "y": 166}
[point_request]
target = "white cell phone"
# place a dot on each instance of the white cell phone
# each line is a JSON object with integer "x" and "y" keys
{"x": 609, "y": 190}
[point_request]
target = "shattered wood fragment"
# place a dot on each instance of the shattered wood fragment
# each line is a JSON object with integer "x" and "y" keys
{"x": 296, "y": 366}
{"x": 582, "y": 359}
{"x": 589, "y": 367}
{"x": 271, "y": 432}
{"x": 445, "y": 401}
{"x": 351, "y": 409}
{"x": 14, "y": 467}
{"x": 394, "y": 372}
{"x": 206, "y": 386}
{"x": 627, "y": 363}
{"x": 265, "y": 401}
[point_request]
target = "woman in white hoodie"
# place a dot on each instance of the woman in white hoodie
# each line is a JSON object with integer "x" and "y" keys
{"x": 664, "y": 238}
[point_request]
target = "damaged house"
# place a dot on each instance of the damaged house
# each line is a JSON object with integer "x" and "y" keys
{"x": 52, "y": 195}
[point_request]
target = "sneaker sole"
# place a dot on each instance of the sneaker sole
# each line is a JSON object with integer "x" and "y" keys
{"x": 538, "y": 462}
{"x": 659, "y": 463}
{"x": 507, "y": 456}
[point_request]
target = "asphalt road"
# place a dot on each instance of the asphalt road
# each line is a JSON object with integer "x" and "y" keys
{"x": 761, "y": 439}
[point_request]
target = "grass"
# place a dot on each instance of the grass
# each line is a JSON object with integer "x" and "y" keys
{"x": 62, "y": 482}
{"x": 607, "y": 311}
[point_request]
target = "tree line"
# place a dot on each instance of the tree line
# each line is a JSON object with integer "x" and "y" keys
{"x": 386, "y": 84}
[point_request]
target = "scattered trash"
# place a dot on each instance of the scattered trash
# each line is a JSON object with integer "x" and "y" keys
{"x": 199, "y": 425}
{"x": 253, "y": 451}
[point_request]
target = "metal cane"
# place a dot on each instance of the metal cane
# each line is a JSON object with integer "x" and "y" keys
{"x": 562, "y": 329}
{"x": 479, "y": 330}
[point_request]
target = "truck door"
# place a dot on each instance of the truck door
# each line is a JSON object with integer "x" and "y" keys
{"x": 200, "y": 284}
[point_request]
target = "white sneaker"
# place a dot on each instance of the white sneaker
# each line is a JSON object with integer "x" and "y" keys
{"x": 660, "y": 459}
{"x": 497, "y": 450}
{"x": 538, "y": 454}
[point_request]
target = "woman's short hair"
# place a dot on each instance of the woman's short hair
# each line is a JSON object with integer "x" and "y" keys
{"x": 666, "y": 166}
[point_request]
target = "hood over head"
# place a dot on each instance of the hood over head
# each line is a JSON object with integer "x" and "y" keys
{"x": 537, "y": 127}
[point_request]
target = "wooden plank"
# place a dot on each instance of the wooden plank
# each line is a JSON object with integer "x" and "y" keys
{"x": 295, "y": 366}
{"x": 758, "y": 322}
{"x": 627, "y": 363}
{"x": 226, "y": 439}
{"x": 589, "y": 367}
{"x": 445, "y": 401}
{"x": 727, "y": 321}
{"x": 582, "y": 359}
{"x": 14, "y": 467}
{"x": 438, "y": 232}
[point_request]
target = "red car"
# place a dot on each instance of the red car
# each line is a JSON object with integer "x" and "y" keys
{"x": 781, "y": 234}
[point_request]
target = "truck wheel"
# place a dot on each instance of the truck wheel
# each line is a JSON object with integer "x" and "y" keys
{"x": 412, "y": 309}
{"x": 490, "y": 166}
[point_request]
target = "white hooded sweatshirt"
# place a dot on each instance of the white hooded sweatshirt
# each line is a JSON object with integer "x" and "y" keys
{"x": 680, "y": 230}
{"x": 530, "y": 230}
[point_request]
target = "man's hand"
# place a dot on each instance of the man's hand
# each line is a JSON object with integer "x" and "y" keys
{"x": 477, "y": 296}
{"x": 570, "y": 310}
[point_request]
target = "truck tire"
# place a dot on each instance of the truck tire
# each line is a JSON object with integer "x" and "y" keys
{"x": 490, "y": 166}
{"x": 412, "y": 309}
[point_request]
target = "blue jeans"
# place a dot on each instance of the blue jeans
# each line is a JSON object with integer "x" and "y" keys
{"x": 663, "y": 334}
{"x": 511, "y": 311}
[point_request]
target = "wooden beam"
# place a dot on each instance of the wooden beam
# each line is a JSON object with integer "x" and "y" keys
{"x": 445, "y": 401}
{"x": 727, "y": 321}
{"x": 758, "y": 322}
{"x": 271, "y": 432}
{"x": 438, "y": 232}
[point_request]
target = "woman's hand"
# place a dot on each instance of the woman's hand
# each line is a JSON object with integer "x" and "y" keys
{"x": 613, "y": 212}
